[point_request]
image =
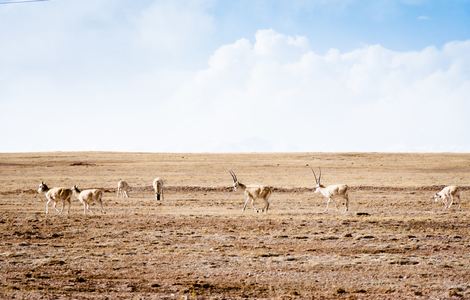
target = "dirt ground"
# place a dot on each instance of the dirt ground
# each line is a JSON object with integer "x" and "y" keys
{"x": 196, "y": 243}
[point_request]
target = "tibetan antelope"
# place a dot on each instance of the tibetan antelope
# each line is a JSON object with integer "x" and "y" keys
{"x": 252, "y": 192}
{"x": 87, "y": 197}
{"x": 331, "y": 192}
{"x": 54, "y": 195}
{"x": 158, "y": 188}
{"x": 122, "y": 189}
{"x": 447, "y": 195}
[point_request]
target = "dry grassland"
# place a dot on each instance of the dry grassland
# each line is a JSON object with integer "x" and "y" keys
{"x": 394, "y": 243}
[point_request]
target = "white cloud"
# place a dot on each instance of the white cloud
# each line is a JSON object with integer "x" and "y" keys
{"x": 279, "y": 92}
{"x": 132, "y": 82}
{"x": 424, "y": 18}
{"x": 173, "y": 29}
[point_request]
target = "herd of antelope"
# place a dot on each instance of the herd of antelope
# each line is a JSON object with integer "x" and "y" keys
{"x": 251, "y": 193}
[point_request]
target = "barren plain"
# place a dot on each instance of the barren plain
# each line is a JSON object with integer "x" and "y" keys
{"x": 197, "y": 243}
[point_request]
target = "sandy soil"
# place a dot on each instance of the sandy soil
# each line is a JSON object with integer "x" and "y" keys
{"x": 393, "y": 243}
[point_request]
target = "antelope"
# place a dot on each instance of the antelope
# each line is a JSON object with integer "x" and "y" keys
{"x": 54, "y": 195}
{"x": 158, "y": 188}
{"x": 122, "y": 189}
{"x": 332, "y": 191}
{"x": 252, "y": 192}
{"x": 447, "y": 195}
{"x": 87, "y": 197}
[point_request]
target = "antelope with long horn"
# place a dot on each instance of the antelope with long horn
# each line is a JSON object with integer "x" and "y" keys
{"x": 252, "y": 192}
{"x": 331, "y": 192}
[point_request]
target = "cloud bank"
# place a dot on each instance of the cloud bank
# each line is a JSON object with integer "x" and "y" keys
{"x": 276, "y": 94}
{"x": 146, "y": 80}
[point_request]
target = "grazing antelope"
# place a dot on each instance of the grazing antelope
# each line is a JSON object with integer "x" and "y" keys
{"x": 54, "y": 195}
{"x": 252, "y": 192}
{"x": 158, "y": 188}
{"x": 87, "y": 197}
{"x": 332, "y": 191}
{"x": 447, "y": 195}
{"x": 122, "y": 189}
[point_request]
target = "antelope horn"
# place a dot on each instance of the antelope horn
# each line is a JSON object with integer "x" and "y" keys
{"x": 316, "y": 180}
{"x": 234, "y": 177}
{"x": 319, "y": 176}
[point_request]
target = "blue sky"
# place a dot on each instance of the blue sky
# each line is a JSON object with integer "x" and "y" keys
{"x": 398, "y": 25}
{"x": 213, "y": 76}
